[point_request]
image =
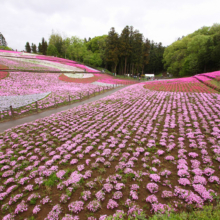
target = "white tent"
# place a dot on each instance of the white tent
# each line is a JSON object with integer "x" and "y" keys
{"x": 149, "y": 75}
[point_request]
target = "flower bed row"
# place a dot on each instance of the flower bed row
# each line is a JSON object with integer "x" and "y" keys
{"x": 131, "y": 152}
{"x": 207, "y": 81}
{"x": 190, "y": 84}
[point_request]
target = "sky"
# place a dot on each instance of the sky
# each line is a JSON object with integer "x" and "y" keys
{"x": 163, "y": 21}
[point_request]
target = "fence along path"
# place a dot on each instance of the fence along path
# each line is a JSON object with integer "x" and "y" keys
{"x": 10, "y": 124}
{"x": 14, "y": 111}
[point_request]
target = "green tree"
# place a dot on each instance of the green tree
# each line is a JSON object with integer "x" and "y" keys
{"x": 196, "y": 53}
{"x": 77, "y": 49}
{"x": 96, "y": 59}
{"x": 125, "y": 47}
{"x": 145, "y": 54}
{"x": 98, "y": 45}
{"x": 112, "y": 51}
{"x": 65, "y": 46}
{"x": 216, "y": 50}
{"x": 2, "y": 40}
{"x": 174, "y": 56}
{"x": 137, "y": 59}
{"x": 27, "y": 47}
{"x": 39, "y": 48}
{"x": 56, "y": 40}
{"x": 33, "y": 48}
{"x": 87, "y": 58}
{"x": 155, "y": 64}
{"x": 52, "y": 50}
{"x": 44, "y": 46}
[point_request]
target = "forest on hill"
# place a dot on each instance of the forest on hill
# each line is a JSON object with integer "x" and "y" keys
{"x": 198, "y": 52}
{"x": 128, "y": 52}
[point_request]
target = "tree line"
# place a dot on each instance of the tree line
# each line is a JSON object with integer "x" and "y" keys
{"x": 198, "y": 52}
{"x": 128, "y": 52}
{"x": 42, "y": 47}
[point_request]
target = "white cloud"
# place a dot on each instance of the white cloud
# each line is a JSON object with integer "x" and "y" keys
{"x": 158, "y": 20}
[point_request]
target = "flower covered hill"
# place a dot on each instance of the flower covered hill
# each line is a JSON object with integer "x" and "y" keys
{"x": 135, "y": 150}
{"x": 21, "y": 89}
{"x": 208, "y": 83}
{"x": 37, "y": 63}
{"x": 96, "y": 78}
{"x": 23, "y": 84}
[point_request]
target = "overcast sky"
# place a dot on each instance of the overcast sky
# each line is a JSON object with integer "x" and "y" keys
{"x": 159, "y": 20}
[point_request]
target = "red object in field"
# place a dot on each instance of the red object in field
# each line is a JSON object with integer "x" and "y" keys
{"x": 3, "y": 74}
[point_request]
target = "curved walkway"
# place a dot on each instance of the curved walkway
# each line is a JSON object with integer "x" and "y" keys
{"x": 10, "y": 124}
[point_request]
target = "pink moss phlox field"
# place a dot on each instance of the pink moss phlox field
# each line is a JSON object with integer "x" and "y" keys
{"x": 134, "y": 148}
{"x": 46, "y": 88}
{"x": 197, "y": 83}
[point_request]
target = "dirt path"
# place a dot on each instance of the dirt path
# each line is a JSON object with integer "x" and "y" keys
{"x": 10, "y": 124}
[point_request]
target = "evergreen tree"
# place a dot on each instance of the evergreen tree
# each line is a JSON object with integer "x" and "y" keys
{"x": 34, "y": 49}
{"x": 137, "y": 59}
{"x": 2, "y": 40}
{"x": 44, "y": 46}
{"x": 28, "y": 48}
{"x": 145, "y": 54}
{"x": 155, "y": 64}
{"x": 112, "y": 51}
{"x": 125, "y": 47}
{"x": 39, "y": 48}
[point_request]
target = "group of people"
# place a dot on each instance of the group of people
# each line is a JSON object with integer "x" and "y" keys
{"x": 137, "y": 76}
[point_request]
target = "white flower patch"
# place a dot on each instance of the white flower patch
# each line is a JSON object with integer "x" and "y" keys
{"x": 20, "y": 100}
{"x": 61, "y": 67}
{"x": 79, "y": 75}
{"x": 102, "y": 84}
{"x": 9, "y": 54}
{"x": 91, "y": 68}
{"x": 27, "y": 54}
